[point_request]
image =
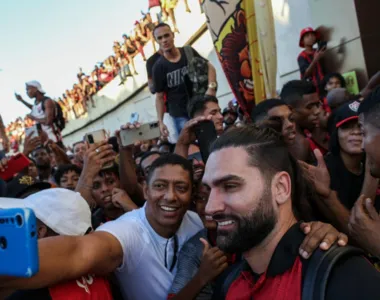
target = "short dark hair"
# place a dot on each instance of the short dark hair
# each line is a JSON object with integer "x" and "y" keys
{"x": 64, "y": 169}
{"x": 197, "y": 104}
{"x": 167, "y": 144}
{"x": 171, "y": 159}
{"x": 293, "y": 91}
{"x": 77, "y": 143}
{"x": 332, "y": 75}
{"x": 261, "y": 110}
{"x": 370, "y": 108}
{"x": 112, "y": 170}
{"x": 146, "y": 155}
{"x": 159, "y": 25}
{"x": 41, "y": 148}
{"x": 268, "y": 152}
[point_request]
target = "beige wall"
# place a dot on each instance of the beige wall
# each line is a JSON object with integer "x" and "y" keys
{"x": 338, "y": 16}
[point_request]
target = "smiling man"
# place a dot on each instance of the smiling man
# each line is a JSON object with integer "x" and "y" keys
{"x": 141, "y": 246}
{"x": 257, "y": 203}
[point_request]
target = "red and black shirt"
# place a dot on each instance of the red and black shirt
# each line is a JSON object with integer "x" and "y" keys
{"x": 304, "y": 61}
{"x": 283, "y": 278}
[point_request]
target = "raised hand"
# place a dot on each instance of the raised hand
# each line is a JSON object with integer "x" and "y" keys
{"x": 121, "y": 199}
{"x": 319, "y": 176}
{"x": 95, "y": 157}
{"x": 364, "y": 225}
{"x": 213, "y": 263}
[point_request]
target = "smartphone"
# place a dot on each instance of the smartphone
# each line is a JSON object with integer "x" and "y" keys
{"x": 15, "y": 165}
{"x": 134, "y": 117}
{"x": 18, "y": 242}
{"x": 146, "y": 132}
{"x": 206, "y": 134}
{"x": 322, "y": 44}
{"x": 97, "y": 137}
{"x": 34, "y": 131}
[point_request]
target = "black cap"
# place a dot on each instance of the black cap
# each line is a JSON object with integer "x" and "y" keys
{"x": 21, "y": 184}
{"x": 346, "y": 113}
{"x": 229, "y": 110}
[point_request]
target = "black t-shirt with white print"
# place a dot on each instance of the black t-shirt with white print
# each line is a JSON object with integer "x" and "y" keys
{"x": 168, "y": 77}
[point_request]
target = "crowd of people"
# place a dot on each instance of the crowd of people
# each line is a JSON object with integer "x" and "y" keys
{"x": 74, "y": 101}
{"x": 284, "y": 205}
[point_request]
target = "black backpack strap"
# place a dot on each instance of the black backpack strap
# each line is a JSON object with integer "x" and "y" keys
{"x": 319, "y": 268}
{"x": 189, "y": 56}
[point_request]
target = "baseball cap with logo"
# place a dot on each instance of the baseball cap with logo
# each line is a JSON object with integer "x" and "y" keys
{"x": 35, "y": 84}
{"x": 23, "y": 184}
{"x": 346, "y": 113}
{"x": 64, "y": 211}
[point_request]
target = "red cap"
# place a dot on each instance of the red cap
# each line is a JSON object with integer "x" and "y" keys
{"x": 137, "y": 22}
{"x": 304, "y": 31}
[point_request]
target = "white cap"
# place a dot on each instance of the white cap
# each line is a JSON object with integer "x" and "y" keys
{"x": 62, "y": 210}
{"x": 37, "y": 85}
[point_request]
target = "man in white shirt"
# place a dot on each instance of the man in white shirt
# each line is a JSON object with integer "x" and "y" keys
{"x": 44, "y": 110}
{"x": 141, "y": 246}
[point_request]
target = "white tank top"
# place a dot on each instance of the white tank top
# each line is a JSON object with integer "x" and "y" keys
{"x": 52, "y": 132}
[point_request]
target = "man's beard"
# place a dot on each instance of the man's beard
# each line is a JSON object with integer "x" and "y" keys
{"x": 252, "y": 229}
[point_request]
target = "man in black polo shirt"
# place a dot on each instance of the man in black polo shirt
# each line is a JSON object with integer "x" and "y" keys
{"x": 168, "y": 78}
{"x": 257, "y": 202}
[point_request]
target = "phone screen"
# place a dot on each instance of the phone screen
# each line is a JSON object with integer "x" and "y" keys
{"x": 206, "y": 135}
{"x": 90, "y": 139}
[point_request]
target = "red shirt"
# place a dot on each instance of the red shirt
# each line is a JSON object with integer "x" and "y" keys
{"x": 313, "y": 144}
{"x": 85, "y": 288}
{"x": 282, "y": 286}
{"x": 153, "y": 3}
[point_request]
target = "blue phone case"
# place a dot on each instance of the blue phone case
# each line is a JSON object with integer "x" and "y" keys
{"x": 18, "y": 242}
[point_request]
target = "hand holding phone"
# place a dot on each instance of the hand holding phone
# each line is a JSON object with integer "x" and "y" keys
{"x": 322, "y": 45}
{"x": 13, "y": 166}
{"x": 148, "y": 131}
{"x": 206, "y": 135}
{"x": 97, "y": 137}
{"x": 187, "y": 135}
{"x": 96, "y": 157}
{"x": 18, "y": 242}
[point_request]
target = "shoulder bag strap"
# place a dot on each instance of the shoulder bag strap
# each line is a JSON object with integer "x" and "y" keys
{"x": 319, "y": 269}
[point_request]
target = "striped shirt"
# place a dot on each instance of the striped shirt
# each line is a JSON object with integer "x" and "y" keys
{"x": 189, "y": 261}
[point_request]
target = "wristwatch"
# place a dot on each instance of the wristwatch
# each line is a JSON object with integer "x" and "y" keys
{"x": 213, "y": 85}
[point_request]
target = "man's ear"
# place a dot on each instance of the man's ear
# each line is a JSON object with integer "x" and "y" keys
{"x": 281, "y": 187}
{"x": 42, "y": 231}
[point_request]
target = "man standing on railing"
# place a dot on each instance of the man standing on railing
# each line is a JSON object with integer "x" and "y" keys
{"x": 168, "y": 78}
{"x": 44, "y": 111}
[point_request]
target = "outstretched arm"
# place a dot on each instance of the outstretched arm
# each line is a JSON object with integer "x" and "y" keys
{"x": 65, "y": 258}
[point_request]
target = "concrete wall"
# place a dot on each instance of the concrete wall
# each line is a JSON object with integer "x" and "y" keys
{"x": 338, "y": 16}
{"x": 112, "y": 97}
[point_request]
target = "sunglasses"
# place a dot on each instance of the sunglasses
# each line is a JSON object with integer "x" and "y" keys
{"x": 197, "y": 156}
